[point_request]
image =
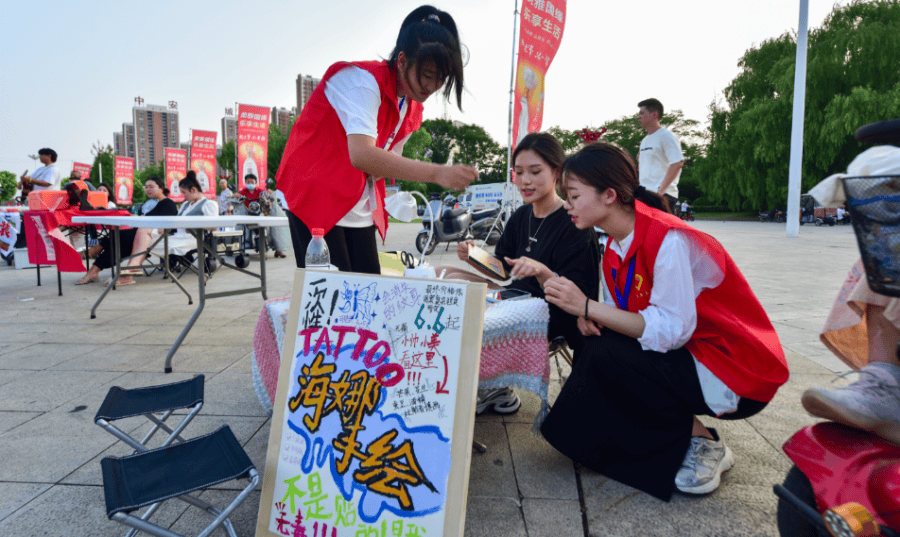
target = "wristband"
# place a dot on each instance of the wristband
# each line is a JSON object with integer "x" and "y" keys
{"x": 587, "y": 300}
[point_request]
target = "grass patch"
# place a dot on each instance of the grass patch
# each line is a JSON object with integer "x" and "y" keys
{"x": 393, "y": 220}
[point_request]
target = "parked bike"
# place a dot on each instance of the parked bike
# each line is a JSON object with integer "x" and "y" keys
{"x": 775, "y": 215}
{"x": 452, "y": 223}
{"x": 487, "y": 225}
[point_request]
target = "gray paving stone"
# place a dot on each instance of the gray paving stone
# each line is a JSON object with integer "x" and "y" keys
{"x": 232, "y": 395}
{"x": 492, "y": 474}
{"x": 494, "y": 517}
{"x": 113, "y": 357}
{"x": 46, "y": 390}
{"x": 10, "y": 420}
{"x": 44, "y": 355}
{"x": 541, "y": 471}
{"x": 244, "y": 366}
{"x": 198, "y": 358}
{"x": 9, "y": 375}
{"x": 10, "y": 346}
{"x": 14, "y": 495}
{"x": 75, "y": 511}
{"x": 243, "y": 518}
{"x": 552, "y": 518}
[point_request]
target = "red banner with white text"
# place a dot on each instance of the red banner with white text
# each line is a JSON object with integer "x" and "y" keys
{"x": 540, "y": 32}
{"x": 176, "y": 168}
{"x": 253, "y": 143}
{"x": 85, "y": 170}
{"x": 124, "y": 183}
{"x": 203, "y": 160}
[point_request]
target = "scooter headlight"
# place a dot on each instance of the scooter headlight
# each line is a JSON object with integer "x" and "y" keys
{"x": 851, "y": 520}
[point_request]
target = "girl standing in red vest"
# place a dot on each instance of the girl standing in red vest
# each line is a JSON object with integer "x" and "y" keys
{"x": 350, "y": 136}
{"x": 682, "y": 335}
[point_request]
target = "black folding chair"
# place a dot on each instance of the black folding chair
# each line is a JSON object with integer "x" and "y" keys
{"x": 148, "y": 401}
{"x": 154, "y": 476}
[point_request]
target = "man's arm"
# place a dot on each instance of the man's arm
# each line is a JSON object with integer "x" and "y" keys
{"x": 671, "y": 174}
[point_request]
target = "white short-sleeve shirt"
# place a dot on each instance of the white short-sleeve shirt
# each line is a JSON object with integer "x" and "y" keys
{"x": 354, "y": 94}
{"x": 659, "y": 151}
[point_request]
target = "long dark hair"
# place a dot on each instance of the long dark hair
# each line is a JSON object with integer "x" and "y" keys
{"x": 546, "y": 146}
{"x": 603, "y": 165}
{"x": 430, "y": 34}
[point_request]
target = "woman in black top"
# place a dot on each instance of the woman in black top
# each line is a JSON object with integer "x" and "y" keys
{"x": 157, "y": 204}
{"x": 540, "y": 240}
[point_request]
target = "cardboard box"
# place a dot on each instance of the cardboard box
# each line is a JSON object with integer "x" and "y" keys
{"x": 48, "y": 200}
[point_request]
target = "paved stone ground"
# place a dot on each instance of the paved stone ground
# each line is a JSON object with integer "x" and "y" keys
{"x": 56, "y": 365}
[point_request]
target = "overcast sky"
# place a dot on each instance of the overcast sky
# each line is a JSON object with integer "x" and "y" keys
{"x": 69, "y": 71}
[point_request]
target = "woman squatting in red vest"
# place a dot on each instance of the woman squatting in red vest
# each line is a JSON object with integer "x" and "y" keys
{"x": 350, "y": 136}
{"x": 681, "y": 335}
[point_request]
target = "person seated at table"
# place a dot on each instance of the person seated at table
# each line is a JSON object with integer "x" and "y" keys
{"x": 539, "y": 241}
{"x": 252, "y": 192}
{"x": 157, "y": 204}
{"x": 682, "y": 335}
{"x": 110, "y": 198}
{"x": 195, "y": 204}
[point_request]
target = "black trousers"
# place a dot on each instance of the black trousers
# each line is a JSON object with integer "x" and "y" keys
{"x": 350, "y": 249}
{"x": 628, "y": 413}
{"x": 106, "y": 258}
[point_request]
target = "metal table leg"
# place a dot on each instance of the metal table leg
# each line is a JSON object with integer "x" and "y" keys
{"x": 115, "y": 270}
{"x": 262, "y": 260}
{"x": 166, "y": 266}
{"x": 200, "y": 235}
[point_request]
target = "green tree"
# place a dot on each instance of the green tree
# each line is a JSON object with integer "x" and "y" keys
{"x": 569, "y": 141}
{"x": 469, "y": 144}
{"x": 278, "y": 138}
{"x": 228, "y": 159}
{"x": 8, "y": 184}
{"x": 105, "y": 160}
{"x": 851, "y": 80}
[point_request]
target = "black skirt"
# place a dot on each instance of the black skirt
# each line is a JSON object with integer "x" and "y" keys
{"x": 628, "y": 413}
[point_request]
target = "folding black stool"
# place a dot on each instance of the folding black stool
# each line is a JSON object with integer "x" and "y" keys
{"x": 154, "y": 476}
{"x": 147, "y": 401}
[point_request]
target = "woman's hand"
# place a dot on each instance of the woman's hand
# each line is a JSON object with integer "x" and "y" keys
{"x": 462, "y": 250}
{"x": 456, "y": 177}
{"x": 525, "y": 267}
{"x": 588, "y": 327}
{"x": 562, "y": 292}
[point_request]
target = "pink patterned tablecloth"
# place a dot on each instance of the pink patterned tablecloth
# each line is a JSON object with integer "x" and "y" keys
{"x": 514, "y": 349}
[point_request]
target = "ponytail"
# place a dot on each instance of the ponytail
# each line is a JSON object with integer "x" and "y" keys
{"x": 429, "y": 34}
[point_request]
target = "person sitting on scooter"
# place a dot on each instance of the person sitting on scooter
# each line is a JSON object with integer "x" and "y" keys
{"x": 862, "y": 330}
{"x": 682, "y": 335}
{"x": 539, "y": 242}
{"x": 250, "y": 192}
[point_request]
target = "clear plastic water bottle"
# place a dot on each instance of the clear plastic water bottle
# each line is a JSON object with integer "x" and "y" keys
{"x": 317, "y": 252}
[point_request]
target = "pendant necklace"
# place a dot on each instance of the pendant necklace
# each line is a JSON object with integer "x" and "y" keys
{"x": 532, "y": 238}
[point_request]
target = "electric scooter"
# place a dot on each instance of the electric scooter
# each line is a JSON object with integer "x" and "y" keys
{"x": 452, "y": 225}
{"x": 846, "y": 482}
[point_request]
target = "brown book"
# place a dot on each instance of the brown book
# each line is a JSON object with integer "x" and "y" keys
{"x": 487, "y": 262}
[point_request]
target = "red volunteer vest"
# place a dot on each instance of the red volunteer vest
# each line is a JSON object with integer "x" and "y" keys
{"x": 734, "y": 337}
{"x": 318, "y": 180}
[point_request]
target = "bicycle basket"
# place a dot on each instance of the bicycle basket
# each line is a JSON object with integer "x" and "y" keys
{"x": 874, "y": 206}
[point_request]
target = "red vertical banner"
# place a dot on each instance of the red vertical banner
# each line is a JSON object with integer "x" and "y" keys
{"x": 85, "y": 170}
{"x": 253, "y": 143}
{"x": 203, "y": 160}
{"x": 124, "y": 184}
{"x": 176, "y": 168}
{"x": 540, "y": 32}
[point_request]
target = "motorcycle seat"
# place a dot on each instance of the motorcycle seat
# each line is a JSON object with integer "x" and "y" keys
{"x": 453, "y": 213}
{"x": 490, "y": 213}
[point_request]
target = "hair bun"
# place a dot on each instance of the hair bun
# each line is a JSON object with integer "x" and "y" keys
{"x": 639, "y": 191}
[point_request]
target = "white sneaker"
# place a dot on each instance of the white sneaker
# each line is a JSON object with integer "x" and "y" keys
{"x": 872, "y": 403}
{"x": 704, "y": 463}
{"x": 501, "y": 401}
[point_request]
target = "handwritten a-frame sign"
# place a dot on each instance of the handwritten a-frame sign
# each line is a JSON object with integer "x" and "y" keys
{"x": 374, "y": 412}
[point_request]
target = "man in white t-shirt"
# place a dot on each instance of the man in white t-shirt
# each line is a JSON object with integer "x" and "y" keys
{"x": 47, "y": 178}
{"x": 660, "y": 159}
{"x": 224, "y": 194}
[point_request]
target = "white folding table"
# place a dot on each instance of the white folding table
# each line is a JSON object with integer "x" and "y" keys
{"x": 198, "y": 226}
